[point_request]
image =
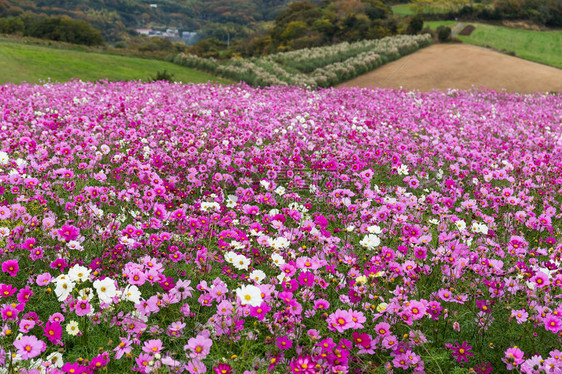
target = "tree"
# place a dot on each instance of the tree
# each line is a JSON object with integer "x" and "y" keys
{"x": 416, "y": 23}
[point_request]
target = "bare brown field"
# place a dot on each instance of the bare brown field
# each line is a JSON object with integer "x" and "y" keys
{"x": 462, "y": 66}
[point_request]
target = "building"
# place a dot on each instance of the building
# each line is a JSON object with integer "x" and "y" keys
{"x": 143, "y": 31}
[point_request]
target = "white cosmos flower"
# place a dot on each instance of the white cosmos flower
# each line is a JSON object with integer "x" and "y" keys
{"x": 241, "y": 262}
{"x": 209, "y": 206}
{"x": 370, "y": 241}
{"x": 257, "y": 275}
{"x": 280, "y": 242}
{"x": 132, "y": 293}
{"x": 106, "y": 289}
{"x": 461, "y": 225}
{"x": 232, "y": 200}
{"x": 249, "y": 295}
{"x": 73, "y": 244}
{"x": 374, "y": 229}
{"x": 63, "y": 288}
{"x": 55, "y": 360}
{"x": 79, "y": 273}
{"x": 230, "y": 257}
{"x": 4, "y": 158}
{"x": 277, "y": 259}
{"x": 72, "y": 328}
{"x": 86, "y": 294}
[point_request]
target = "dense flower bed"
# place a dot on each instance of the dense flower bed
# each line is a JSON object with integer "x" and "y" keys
{"x": 172, "y": 228}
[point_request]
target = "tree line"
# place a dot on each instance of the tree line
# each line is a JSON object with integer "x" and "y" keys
{"x": 62, "y": 29}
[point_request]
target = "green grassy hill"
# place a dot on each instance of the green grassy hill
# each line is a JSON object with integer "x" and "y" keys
{"x": 539, "y": 46}
{"x": 33, "y": 63}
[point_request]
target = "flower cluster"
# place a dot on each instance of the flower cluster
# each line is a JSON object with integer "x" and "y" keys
{"x": 198, "y": 228}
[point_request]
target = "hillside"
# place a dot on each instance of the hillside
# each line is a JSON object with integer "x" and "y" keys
{"x": 117, "y": 18}
{"x": 32, "y": 63}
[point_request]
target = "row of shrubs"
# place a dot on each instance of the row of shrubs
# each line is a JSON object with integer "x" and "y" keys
{"x": 315, "y": 67}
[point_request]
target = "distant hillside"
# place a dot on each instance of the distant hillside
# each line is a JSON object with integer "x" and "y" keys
{"x": 117, "y": 18}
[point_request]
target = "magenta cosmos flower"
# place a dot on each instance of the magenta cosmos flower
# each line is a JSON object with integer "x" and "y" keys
{"x": 53, "y": 331}
{"x": 11, "y": 267}
{"x": 69, "y": 232}
{"x": 29, "y": 347}
{"x": 460, "y": 352}
{"x": 303, "y": 365}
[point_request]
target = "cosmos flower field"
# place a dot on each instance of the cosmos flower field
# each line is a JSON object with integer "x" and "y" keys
{"x": 199, "y": 228}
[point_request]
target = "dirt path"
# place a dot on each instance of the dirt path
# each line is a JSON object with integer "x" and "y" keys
{"x": 461, "y": 66}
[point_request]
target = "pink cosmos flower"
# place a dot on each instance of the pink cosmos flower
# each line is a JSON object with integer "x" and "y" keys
{"x": 123, "y": 348}
{"x": 389, "y": 342}
{"x": 357, "y": 319}
{"x": 99, "y": 361}
{"x": 417, "y": 309}
{"x": 152, "y": 346}
{"x": 143, "y": 361}
{"x": 57, "y": 317}
{"x": 83, "y": 308}
{"x": 339, "y": 321}
{"x": 382, "y": 328}
{"x": 199, "y": 346}
{"x": 553, "y": 323}
{"x": 520, "y": 315}
{"x": 8, "y": 312}
{"x": 513, "y": 357}
{"x": 26, "y": 325}
{"x": 11, "y": 267}
{"x": 540, "y": 279}
{"x": 29, "y": 346}
{"x": 176, "y": 329}
{"x": 196, "y": 367}
{"x": 321, "y": 304}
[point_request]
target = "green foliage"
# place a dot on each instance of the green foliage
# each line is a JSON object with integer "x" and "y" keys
{"x": 305, "y": 24}
{"x": 207, "y": 48}
{"x": 162, "y": 76}
{"x": 61, "y": 29}
{"x": 416, "y": 23}
{"x": 443, "y": 33}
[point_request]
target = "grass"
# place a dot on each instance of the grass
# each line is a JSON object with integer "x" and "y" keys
{"x": 539, "y": 46}
{"x": 33, "y": 63}
{"x": 402, "y": 10}
{"x": 405, "y": 10}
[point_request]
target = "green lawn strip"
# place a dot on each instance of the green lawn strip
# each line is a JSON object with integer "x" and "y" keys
{"x": 539, "y": 46}
{"x": 402, "y": 10}
{"x": 32, "y": 63}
